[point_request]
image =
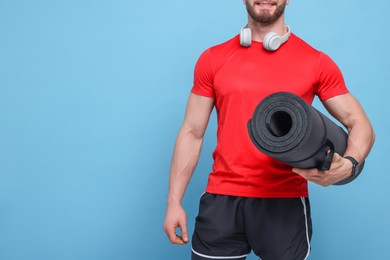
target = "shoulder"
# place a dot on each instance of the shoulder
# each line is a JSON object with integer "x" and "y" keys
{"x": 231, "y": 44}
{"x": 214, "y": 57}
{"x": 222, "y": 50}
{"x": 303, "y": 47}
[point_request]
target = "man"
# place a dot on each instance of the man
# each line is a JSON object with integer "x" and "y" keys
{"x": 253, "y": 202}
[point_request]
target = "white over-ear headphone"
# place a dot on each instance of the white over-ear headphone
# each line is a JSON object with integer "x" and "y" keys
{"x": 271, "y": 41}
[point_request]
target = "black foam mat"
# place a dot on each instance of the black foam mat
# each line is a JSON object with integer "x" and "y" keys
{"x": 290, "y": 130}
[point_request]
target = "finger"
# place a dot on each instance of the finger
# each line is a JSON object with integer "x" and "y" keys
{"x": 302, "y": 172}
{"x": 313, "y": 175}
{"x": 322, "y": 178}
{"x": 337, "y": 157}
{"x": 337, "y": 162}
{"x": 184, "y": 232}
{"x": 173, "y": 237}
{"x": 296, "y": 170}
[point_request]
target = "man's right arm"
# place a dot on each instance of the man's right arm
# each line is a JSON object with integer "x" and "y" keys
{"x": 185, "y": 157}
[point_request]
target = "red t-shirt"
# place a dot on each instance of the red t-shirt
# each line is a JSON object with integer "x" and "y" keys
{"x": 238, "y": 78}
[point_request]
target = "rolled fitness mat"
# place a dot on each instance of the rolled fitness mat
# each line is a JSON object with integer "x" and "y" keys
{"x": 290, "y": 130}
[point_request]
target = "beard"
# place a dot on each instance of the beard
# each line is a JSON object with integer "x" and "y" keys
{"x": 265, "y": 17}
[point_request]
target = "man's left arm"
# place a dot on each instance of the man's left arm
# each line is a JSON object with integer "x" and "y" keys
{"x": 346, "y": 109}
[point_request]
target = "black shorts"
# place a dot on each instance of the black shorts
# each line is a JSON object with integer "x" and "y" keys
{"x": 229, "y": 227}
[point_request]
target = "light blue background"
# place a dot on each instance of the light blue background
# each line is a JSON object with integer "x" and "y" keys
{"x": 92, "y": 95}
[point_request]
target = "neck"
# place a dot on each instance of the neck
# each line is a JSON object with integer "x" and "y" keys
{"x": 259, "y": 30}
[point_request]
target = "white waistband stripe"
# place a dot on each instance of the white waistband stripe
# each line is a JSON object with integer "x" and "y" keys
{"x": 307, "y": 228}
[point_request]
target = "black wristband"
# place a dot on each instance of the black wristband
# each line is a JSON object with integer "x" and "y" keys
{"x": 354, "y": 164}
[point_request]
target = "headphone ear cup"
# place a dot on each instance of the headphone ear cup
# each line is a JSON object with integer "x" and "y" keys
{"x": 272, "y": 41}
{"x": 246, "y": 37}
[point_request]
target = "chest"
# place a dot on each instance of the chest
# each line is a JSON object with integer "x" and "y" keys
{"x": 252, "y": 75}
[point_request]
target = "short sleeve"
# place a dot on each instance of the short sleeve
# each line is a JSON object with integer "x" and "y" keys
{"x": 330, "y": 81}
{"x": 204, "y": 76}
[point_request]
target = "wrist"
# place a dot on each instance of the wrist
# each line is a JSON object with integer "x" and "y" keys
{"x": 354, "y": 163}
{"x": 173, "y": 201}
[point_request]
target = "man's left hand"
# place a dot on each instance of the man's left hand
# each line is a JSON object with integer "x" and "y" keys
{"x": 340, "y": 169}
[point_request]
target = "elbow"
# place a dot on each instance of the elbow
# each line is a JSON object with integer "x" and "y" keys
{"x": 197, "y": 134}
{"x": 373, "y": 137}
{"x": 193, "y": 132}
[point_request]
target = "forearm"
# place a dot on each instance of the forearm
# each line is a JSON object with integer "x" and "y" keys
{"x": 360, "y": 140}
{"x": 184, "y": 160}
